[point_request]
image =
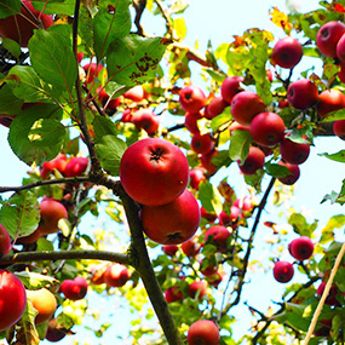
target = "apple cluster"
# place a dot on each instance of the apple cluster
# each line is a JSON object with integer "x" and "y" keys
{"x": 113, "y": 275}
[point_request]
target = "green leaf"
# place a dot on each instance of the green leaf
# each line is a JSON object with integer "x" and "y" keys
{"x": 301, "y": 226}
{"x": 103, "y": 126}
{"x": 335, "y": 222}
{"x": 36, "y": 134}
{"x": 111, "y": 26}
{"x": 9, "y": 103}
{"x": 27, "y": 330}
{"x": 52, "y": 57}
{"x": 20, "y": 214}
{"x": 338, "y": 156}
{"x": 220, "y": 120}
{"x": 55, "y": 6}
{"x": 276, "y": 170}
{"x": 9, "y": 7}
{"x": 11, "y": 46}
{"x": 210, "y": 197}
{"x": 134, "y": 59}
{"x": 255, "y": 180}
{"x": 334, "y": 116}
{"x": 239, "y": 145}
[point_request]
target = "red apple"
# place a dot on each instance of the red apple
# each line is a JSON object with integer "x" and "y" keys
{"x": 92, "y": 71}
{"x": 341, "y": 49}
{"x": 116, "y": 275}
{"x": 283, "y": 271}
{"x": 287, "y": 52}
{"x": 75, "y": 289}
{"x": 254, "y": 161}
{"x": 294, "y": 153}
{"x": 136, "y": 94}
{"x": 267, "y": 129}
{"x": 44, "y": 302}
{"x": 245, "y": 203}
{"x": 215, "y": 107}
{"x": 208, "y": 268}
{"x": 302, "y": 94}
{"x": 206, "y": 160}
{"x": 147, "y": 120}
{"x": 170, "y": 250}
{"x": 12, "y": 299}
{"x": 339, "y": 128}
{"x": 197, "y": 289}
{"x": 172, "y": 223}
{"x": 5, "y": 241}
{"x": 330, "y": 100}
{"x": 154, "y": 171}
{"x": 51, "y": 212}
{"x": 76, "y": 166}
{"x": 332, "y": 295}
{"x": 301, "y": 248}
{"x": 293, "y": 176}
{"x": 80, "y": 57}
{"x": 196, "y": 176}
{"x": 211, "y": 217}
{"x": 59, "y": 163}
{"x": 245, "y": 105}
{"x": 328, "y": 37}
{"x": 231, "y": 86}
{"x": 192, "y": 98}
{"x": 218, "y": 235}
{"x": 202, "y": 144}
{"x": 173, "y": 294}
{"x": 215, "y": 279}
{"x": 190, "y": 248}
{"x": 191, "y": 122}
{"x": 203, "y": 332}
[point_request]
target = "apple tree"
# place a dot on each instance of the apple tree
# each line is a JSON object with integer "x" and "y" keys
{"x": 136, "y": 133}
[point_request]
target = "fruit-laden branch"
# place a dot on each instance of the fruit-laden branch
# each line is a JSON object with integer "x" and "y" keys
{"x": 243, "y": 272}
{"x": 140, "y": 260}
{"x": 64, "y": 255}
{"x": 44, "y": 183}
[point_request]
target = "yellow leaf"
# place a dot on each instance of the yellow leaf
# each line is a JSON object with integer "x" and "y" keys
{"x": 180, "y": 27}
{"x": 280, "y": 19}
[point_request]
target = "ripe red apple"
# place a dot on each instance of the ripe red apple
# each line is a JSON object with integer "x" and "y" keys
{"x": 172, "y": 223}
{"x": 267, "y": 129}
{"x": 208, "y": 268}
{"x": 218, "y": 235}
{"x": 227, "y": 219}
{"x": 302, "y": 94}
{"x": 192, "y": 98}
{"x": 127, "y": 115}
{"x": 330, "y": 100}
{"x": 202, "y": 144}
{"x": 293, "y": 176}
{"x": 97, "y": 277}
{"x": 196, "y": 176}
{"x": 245, "y": 105}
{"x": 231, "y": 86}
{"x": 197, "y": 289}
{"x": 147, "y": 120}
{"x": 215, "y": 107}
{"x": 207, "y": 163}
{"x": 341, "y": 49}
{"x": 173, "y": 294}
{"x": 154, "y": 171}
{"x": 294, "y": 153}
{"x": 76, "y": 166}
{"x": 92, "y": 71}
{"x": 332, "y": 295}
{"x": 44, "y": 302}
{"x": 20, "y": 27}
{"x": 59, "y": 163}
{"x": 254, "y": 161}
{"x": 328, "y": 37}
{"x": 51, "y": 212}
{"x": 211, "y": 217}
{"x": 301, "y": 248}
{"x": 170, "y": 250}
{"x": 191, "y": 122}
{"x": 116, "y": 275}
{"x": 12, "y": 299}
{"x": 287, "y": 52}
{"x": 203, "y": 332}
{"x": 245, "y": 203}
{"x": 190, "y": 248}
{"x": 74, "y": 289}
{"x": 339, "y": 128}
{"x": 136, "y": 94}
{"x": 283, "y": 271}
{"x": 5, "y": 241}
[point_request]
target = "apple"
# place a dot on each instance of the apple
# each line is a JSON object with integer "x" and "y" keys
{"x": 323, "y": 328}
{"x": 267, "y": 129}
{"x": 230, "y": 87}
{"x": 172, "y": 223}
{"x": 227, "y": 219}
{"x": 75, "y": 289}
{"x": 339, "y": 128}
{"x": 287, "y": 52}
{"x": 283, "y": 103}
{"x": 245, "y": 203}
{"x": 44, "y": 302}
{"x": 127, "y": 115}
{"x": 202, "y": 144}
{"x": 302, "y": 94}
{"x": 191, "y": 122}
{"x": 116, "y": 275}
{"x": 54, "y": 332}
{"x": 51, "y": 212}
{"x": 341, "y": 48}
{"x": 341, "y": 73}
{"x": 190, "y": 248}
{"x": 245, "y": 105}
{"x": 294, "y": 153}
{"x": 332, "y": 295}
{"x": 301, "y": 248}
{"x": 192, "y": 98}
{"x": 170, "y": 250}
{"x": 215, "y": 279}
{"x": 12, "y": 299}
{"x": 76, "y": 166}
{"x": 5, "y": 241}
{"x": 203, "y": 332}
{"x": 59, "y": 163}
{"x": 6, "y": 120}
{"x": 92, "y": 71}
{"x": 135, "y": 94}
{"x": 330, "y": 100}
{"x": 283, "y": 271}
{"x": 20, "y": 27}
{"x": 173, "y": 294}
{"x": 33, "y": 238}
{"x": 97, "y": 277}
{"x": 208, "y": 268}
{"x": 293, "y": 176}
{"x": 206, "y": 160}
{"x": 197, "y": 289}
{"x": 328, "y": 37}
{"x": 211, "y": 217}
{"x": 147, "y": 120}
{"x": 218, "y": 235}
{"x": 216, "y": 106}
{"x": 196, "y": 176}
{"x": 254, "y": 161}
{"x": 154, "y": 171}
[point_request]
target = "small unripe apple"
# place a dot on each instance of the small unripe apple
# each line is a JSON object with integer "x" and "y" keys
{"x": 283, "y": 271}
{"x": 231, "y": 86}
{"x": 287, "y": 52}
{"x": 190, "y": 248}
{"x": 202, "y": 144}
{"x": 154, "y": 171}
{"x": 191, "y": 122}
{"x": 76, "y": 166}
{"x": 172, "y": 223}
{"x": 197, "y": 289}
{"x": 75, "y": 289}
{"x": 196, "y": 176}
{"x": 301, "y": 248}
{"x": 173, "y": 294}
{"x": 147, "y": 120}
{"x": 192, "y": 98}
{"x": 302, "y": 94}
{"x": 218, "y": 235}
{"x": 293, "y": 176}
{"x": 116, "y": 275}
{"x": 267, "y": 129}
{"x": 5, "y": 241}
{"x": 330, "y": 100}
{"x": 215, "y": 107}
{"x": 294, "y": 153}
{"x": 254, "y": 161}
{"x": 170, "y": 249}
{"x": 203, "y": 332}
{"x": 339, "y": 128}
{"x": 328, "y": 37}
{"x": 12, "y": 299}
{"x": 51, "y": 212}
{"x": 44, "y": 302}
{"x": 245, "y": 105}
